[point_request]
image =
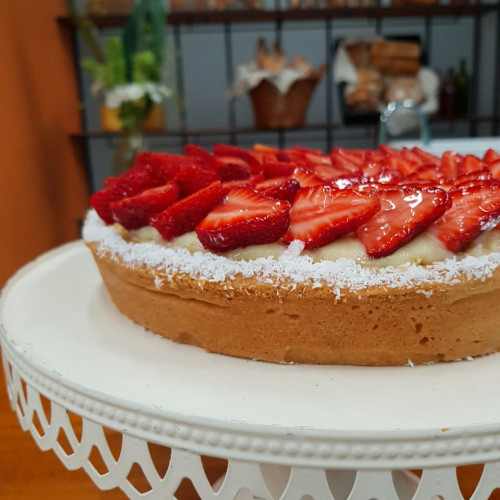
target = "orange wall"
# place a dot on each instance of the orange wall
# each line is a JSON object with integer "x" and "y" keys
{"x": 43, "y": 187}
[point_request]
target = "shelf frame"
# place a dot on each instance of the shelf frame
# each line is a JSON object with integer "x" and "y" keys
{"x": 281, "y": 15}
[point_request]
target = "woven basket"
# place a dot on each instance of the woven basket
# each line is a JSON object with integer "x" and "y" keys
{"x": 273, "y": 109}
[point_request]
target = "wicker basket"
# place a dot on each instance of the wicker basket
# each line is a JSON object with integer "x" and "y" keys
{"x": 273, "y": 109}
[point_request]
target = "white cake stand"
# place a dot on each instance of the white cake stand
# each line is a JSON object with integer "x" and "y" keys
{"x": 287, "y": 431}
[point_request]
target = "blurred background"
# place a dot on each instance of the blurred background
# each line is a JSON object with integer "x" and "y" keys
{"x": 87, "y": 84}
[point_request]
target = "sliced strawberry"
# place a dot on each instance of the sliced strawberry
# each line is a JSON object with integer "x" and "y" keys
{"x": 101, "y": 203}
{"x": 418, "y": 183}
{"x": 477, "y": 175}
{"x": 192, "y": 177}
{"x": 410, "y": 155}
{"x": 244, "y": 218}
{"x": 450, "y": 163}
{"x": 308, "y": 156}
{"x": 321, "y": 214}
{"x": 371, "y": 187}
{"x": 282, "y": 155}
{"x": 281, "y": 188}
{"x": 429, "y": 172}
{"x": 329, "y": 172}
{"x": 231, "y": 171}
{"x": 470, "y": 163}
{"x": 243, "y": 183}
{"x": 473, "y": 208}
{"x": 427, "y": 158}
{"x": 161, "y": 166}
{"x": 405, "y": 213}
{"x": 388, "y": 176}
{"x": 132, "y": 182}
{"x": 494, "y": 168}
{"x": 372, "y": 169}
{"x": 134, "y": 212}
{"x": 349, "y": 160}
{"x": 197, "y": 152}
{"x": 374, "y": 156}
{"x": 401, "y": 163}
{"x": 273, "y": 169}
{"x": 234, "y": 154}
{"x": 306, "y": 179}
{"x": 183, "y": 216}
{"x": 388, "y": 151}
{"x": 348, "y": 181}
{"x": 491, "y": 156}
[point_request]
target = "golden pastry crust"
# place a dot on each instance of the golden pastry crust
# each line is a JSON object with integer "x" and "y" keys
{"x": 253, "y": 319}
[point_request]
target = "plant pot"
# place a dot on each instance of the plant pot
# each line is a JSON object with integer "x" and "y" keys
{"x": 272, "y": 109}
{"x": 110, "y": 119}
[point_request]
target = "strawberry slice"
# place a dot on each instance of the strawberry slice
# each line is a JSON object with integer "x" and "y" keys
{"x": 132, "y": 182}
{"x": 329, "y": 172}
{"x": 388, "y": 151}
{"x": 372, "y": 169}
{"x": 192, "y": 177}
{"x": 183, "y": 216}
{"x": 405, "y": 213}
{"x": 197, "y": 152}
{"x": 280, "y": 188}
{"x": 472, "y": 210}
{"x": 234, "y": 154}
{"x": 477, "y": 175}
{"x": 101, "y": 201}
{"x": 161, "y": 166}
{"x": 273, "y": 169}
{"x": 348, "y": 181}
{"x": 450, "y": 163}
{"x": 494, "y": 168}
{"x": 349, "y": 160}
{"x": 427, "y": 158}
{"x": 244, "y": 218}
{"x": 247, "y": 183}
{"x": 428, "y": 172}
{"x": 306, "y": 179}
{"x": 400, "y": 162}
{"x": 321, "y": 214}
{"x": 410, "y": 155}
{"x": 134, "y": 212}
{"x": 231, "y": 171}
{"x": 469, "y": 164}
{"x": 388, "y": 176}
{"x": 309, "y": 157}
{"x": 491, "y": 156}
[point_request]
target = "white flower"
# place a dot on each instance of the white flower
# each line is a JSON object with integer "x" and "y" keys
{"x": 115, "y": 97}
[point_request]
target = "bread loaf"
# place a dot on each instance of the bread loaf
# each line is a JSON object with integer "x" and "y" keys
{"x": 400, "y": 50}
{"x": 396, "y": 66}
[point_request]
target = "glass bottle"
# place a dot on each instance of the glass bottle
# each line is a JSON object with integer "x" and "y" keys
{"x": 462, "y": 88}
{"x": 447, "y": 95}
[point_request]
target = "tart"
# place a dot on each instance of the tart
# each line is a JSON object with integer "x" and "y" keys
{"x": 358, "y": 257}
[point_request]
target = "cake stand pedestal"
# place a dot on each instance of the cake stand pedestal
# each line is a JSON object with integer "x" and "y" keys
{"x": 287, "y": 432}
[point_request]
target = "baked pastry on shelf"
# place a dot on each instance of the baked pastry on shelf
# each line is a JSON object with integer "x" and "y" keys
{"x": 294, "y": 256}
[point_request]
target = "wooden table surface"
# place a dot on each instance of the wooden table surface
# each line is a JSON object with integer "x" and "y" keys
{"x": 27, "y": 473}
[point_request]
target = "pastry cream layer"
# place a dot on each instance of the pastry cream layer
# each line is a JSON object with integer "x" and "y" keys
{"x": 423, "y": 250}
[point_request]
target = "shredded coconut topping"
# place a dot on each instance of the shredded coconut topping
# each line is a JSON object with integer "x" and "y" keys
{"x": 290, "y": 267}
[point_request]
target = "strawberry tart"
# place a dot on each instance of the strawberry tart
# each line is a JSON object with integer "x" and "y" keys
{"x": 357, "y": 257}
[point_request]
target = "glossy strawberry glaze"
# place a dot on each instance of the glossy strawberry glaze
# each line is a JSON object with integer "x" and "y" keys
{"x": 415, "y": 208}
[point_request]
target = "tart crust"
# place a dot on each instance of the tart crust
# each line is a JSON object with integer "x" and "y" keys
{"x": 253, "y": 319}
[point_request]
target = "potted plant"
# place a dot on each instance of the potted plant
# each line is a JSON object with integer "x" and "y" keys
{"x": 127, "y": 71}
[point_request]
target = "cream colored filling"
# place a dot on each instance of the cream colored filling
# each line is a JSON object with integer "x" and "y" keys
{"x": 423, "y": 250}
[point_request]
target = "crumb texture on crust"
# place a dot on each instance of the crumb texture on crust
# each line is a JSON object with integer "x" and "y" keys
{"x": 384, "y": 328}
